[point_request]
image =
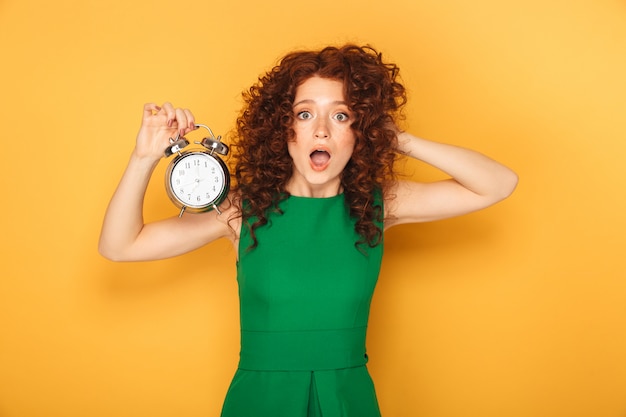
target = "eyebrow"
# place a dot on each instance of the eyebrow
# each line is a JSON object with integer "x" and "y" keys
{"x": 310, "y": 101}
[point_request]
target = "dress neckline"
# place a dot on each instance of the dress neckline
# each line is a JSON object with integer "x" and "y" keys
{"x": 303, "y": 198}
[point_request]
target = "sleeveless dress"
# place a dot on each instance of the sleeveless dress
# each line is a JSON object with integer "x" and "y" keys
{"x": 305, "y": 294}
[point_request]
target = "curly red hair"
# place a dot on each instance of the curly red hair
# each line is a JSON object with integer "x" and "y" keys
{"x": 263, "y": 164}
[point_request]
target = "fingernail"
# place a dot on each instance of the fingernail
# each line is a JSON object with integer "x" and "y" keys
{"x": 169, "y": 122}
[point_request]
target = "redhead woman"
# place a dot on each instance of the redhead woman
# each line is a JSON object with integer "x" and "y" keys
{"x": 314, "y": 190}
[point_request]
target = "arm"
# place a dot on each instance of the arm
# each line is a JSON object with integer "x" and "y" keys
{"x": 476, "y": 182}
{"x": 124, "y": 236}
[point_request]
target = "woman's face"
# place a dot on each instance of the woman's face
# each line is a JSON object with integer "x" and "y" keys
{"x": 323, "y": 142}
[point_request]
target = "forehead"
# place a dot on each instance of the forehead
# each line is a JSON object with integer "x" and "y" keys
{"x": 317, "y": 87}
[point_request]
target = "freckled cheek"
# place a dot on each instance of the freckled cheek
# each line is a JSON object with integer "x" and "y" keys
{"x": 300, "y": 134}
{"x": 350, "y": 143}
{"x": 295, "y": 151}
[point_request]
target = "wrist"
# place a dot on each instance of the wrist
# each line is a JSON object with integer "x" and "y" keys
{"x": 405, "y": 143}
{"x": 141, "y": 159}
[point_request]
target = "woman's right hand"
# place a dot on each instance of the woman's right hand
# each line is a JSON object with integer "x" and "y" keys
{"x": 158, "y": 125}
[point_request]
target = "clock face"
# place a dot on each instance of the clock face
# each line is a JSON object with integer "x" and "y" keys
{"x": 197, "y": 180}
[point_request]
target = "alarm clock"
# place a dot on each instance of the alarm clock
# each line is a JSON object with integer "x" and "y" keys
{"x": 197, "y": 180}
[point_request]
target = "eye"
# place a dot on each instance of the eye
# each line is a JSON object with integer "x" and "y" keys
{"x": 304, "y": 115}
{"x": 342, "y": 117}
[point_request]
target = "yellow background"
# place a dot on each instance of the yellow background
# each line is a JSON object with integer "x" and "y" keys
{"x": 516, "y": 311}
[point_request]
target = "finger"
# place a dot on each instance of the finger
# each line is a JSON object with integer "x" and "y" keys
{"x": 170, "y": 113}
{"x": 191, "y": 120}
{"x": 149, "y": 109}
{"x": 181, "y": 119}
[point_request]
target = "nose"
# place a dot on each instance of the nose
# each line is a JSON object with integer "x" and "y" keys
{"x": 321, "y": 129}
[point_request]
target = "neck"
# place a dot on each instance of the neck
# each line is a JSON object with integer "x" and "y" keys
{"x": 314, "y": 190}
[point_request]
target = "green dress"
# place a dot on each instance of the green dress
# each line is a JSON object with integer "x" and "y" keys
{"x": 305, "y": 295}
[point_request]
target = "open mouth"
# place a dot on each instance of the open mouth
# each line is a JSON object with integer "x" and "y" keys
{"x": 319, "y": 159}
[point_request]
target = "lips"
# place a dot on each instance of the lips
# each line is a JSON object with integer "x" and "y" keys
{"x": 320, "y": 158}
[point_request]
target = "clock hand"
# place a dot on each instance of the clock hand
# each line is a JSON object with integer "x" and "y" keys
{"x": 187, "y": 184}
{"x": 196, "y": 183}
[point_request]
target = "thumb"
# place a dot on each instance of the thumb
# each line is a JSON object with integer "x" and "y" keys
{"x": 149, "y": 109}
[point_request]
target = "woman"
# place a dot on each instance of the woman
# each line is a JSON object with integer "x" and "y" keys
{"x": 314, "y": 190}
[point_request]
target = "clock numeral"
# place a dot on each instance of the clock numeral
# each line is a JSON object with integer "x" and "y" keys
{"x": 217, "y": 179}
{"x": 181, "y": 172}
{"x": 196, "y": 162}
{"x": 187, "y": 165}
{"x": 198, "y": 199}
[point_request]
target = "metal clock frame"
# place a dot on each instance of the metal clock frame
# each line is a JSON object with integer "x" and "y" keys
{"x": 213, "y": 146}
